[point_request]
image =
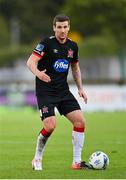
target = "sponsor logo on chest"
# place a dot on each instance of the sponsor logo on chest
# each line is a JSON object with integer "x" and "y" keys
{"x": 61, "y": 65}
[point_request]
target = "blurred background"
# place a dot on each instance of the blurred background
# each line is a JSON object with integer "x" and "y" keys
{"x": 99, "y": 28}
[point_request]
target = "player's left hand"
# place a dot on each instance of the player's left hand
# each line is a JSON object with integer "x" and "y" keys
{"x": 83, "y": 95}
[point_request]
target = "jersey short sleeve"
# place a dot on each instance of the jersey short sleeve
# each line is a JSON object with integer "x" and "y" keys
{"x": 40, "y": 49}
{"x": 75, "y": 54}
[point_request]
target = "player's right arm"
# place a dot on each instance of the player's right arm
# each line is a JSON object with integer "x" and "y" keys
{"x": 32, "y": 65}
{"x": 33, "y": 60}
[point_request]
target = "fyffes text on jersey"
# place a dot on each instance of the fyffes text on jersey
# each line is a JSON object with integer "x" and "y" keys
{"x": 61, "y": 65}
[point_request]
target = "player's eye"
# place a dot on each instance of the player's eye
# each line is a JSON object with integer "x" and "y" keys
{"x": 65, "y": 27}
{"x": 59, "y": 27}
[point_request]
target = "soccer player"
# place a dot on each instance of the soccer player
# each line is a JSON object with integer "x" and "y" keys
{"x": 50, "y": 62}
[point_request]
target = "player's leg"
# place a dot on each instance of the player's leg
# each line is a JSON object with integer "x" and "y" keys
{"x": 47, "y": 115}
{"x": 71, "y": 109}
{"x": 49, "y": 125}
{"x": 78, "y": 121}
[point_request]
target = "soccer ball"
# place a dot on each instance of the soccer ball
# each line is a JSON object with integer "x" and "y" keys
{"x": 99, "y": 160}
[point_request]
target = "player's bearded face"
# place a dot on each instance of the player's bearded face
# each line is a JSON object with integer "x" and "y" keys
{"x": 61, "y": 30}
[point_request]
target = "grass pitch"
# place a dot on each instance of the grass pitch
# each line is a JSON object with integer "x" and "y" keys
{"x": 18, "y": 133}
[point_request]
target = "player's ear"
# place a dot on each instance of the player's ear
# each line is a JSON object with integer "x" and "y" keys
{"x": 68, "y": 27}
{"x": 54, "y": 27}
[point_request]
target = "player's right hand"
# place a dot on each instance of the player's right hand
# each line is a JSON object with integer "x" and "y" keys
{"x": 43, "y": 76}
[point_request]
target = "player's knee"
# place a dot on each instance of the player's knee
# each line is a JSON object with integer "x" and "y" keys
{"x": 79, "y": 124}
{"x": 50, "y": 124}
{"x": 51, "y": 127}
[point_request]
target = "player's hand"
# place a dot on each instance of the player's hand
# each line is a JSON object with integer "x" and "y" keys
{"x": 83, "y": 95}
{"x": 43, "y": 76}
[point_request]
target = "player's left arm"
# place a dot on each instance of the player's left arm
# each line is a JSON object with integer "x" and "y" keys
{"x": 77, "y": 77}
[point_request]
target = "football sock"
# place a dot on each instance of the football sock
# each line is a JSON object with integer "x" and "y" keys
{"x": 78, "y": 142}
{"x": 41, "y": 142}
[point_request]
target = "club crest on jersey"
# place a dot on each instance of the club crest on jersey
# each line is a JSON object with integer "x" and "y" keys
{"x": 70, "y": 53}
{"x": 45, "y": 110}
{"x": 61, "y": 65}
{"x": 39, "y": 47}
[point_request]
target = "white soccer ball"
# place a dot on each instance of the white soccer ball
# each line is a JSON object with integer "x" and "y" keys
{"x": 99, "y": 160}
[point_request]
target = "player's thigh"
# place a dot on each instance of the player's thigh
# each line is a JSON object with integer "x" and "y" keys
{"x": 68, "y": 104}
{"x": 76, "y": 118}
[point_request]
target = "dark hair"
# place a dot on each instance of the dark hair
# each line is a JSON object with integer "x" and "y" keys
{"x": 60, "y": 18}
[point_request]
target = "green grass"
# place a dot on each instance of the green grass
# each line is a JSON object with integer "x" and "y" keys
{"x": 18, "y": 133}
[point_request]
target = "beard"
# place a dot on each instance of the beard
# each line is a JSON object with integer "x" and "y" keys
{"x": 61, "y": 37}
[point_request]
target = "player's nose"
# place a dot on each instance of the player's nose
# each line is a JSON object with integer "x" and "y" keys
{"x": 62, "y": 30}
